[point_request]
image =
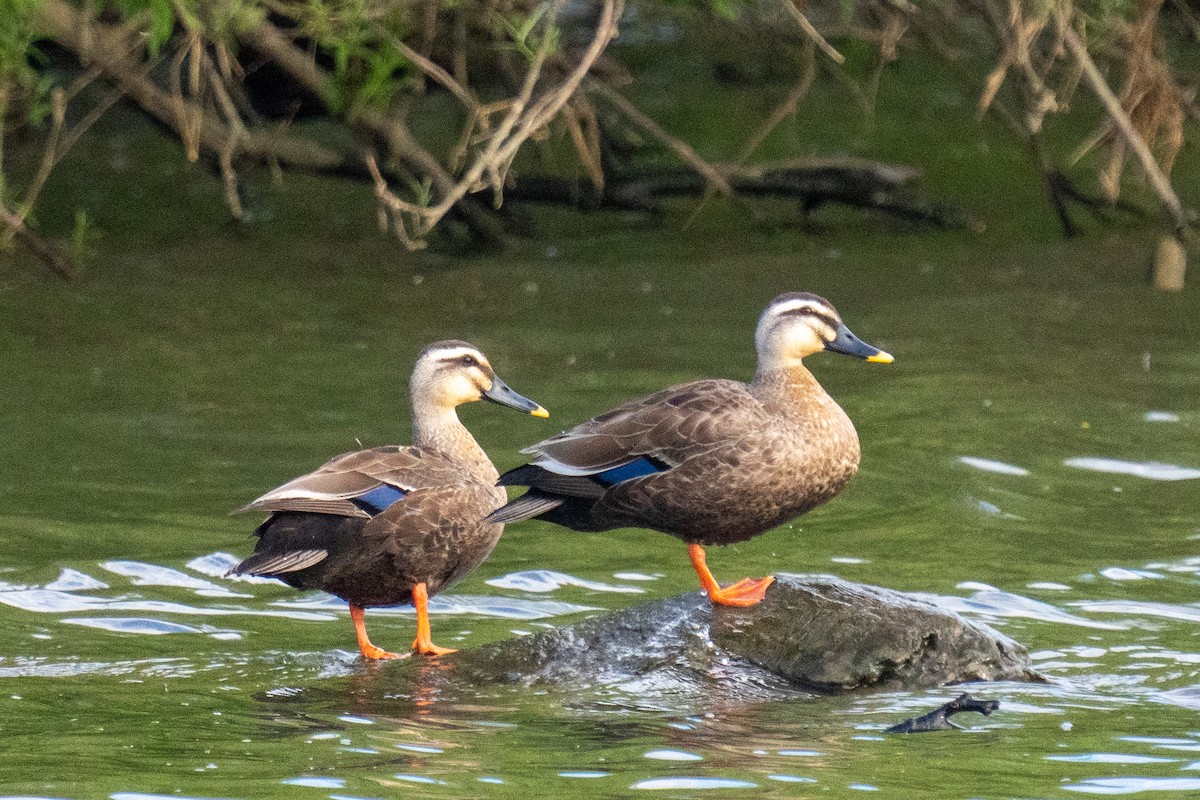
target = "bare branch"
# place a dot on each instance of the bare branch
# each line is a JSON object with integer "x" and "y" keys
{"x": 787, "y": 108}
{"x": 428, "y": 67}
{"x": 519, "y": 124}
{"x": 1162, "y": 186}
{"x": 812, "y": 33}
{"x": 679, "y": 147}
{"x": 50, "y": 255}
{"x": 394, "y": 213}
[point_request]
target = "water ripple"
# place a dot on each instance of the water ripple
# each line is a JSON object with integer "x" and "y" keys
{"x": 316, "y": 782}
{"x": 673, "y": 755}
{"x": 72, "y": 580}
{"x": 148, "y": 626}
{"x": 1139, "y": 608}
{"x": 1152, "y": 470}
{"x": 545, "y": 580}
{"x": 1187, "y": 697}
{"x": 992, "y": 602}
{"x": 693, "y": 783}
{"x": 1133, "y": 785}
{"x": 217, "y": 565}
{"x": 1111, "y": 758}
{"x": 989, "y": 465}
{"x": 145, "y": 796}
{"x": 143, "y": 574}
{"x": 55, "y": 602}
{"x": 1125, "y": 574}
{"x": 477, "y": 605}
{"x": 418, "y": 779}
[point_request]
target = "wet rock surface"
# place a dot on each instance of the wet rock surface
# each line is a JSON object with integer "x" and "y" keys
{"x": 812, "y": 634}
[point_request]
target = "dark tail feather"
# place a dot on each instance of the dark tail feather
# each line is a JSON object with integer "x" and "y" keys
{"x": 271, "y": 564}
{"x": 527, "y": 506}
{"x": 523, "y": 475}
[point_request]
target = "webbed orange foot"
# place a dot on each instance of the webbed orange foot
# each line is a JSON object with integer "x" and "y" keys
{"x": 746, "y": 592}
{"x": 371, "y": 651}
{"x": 365, "y": 647}
{"x": 428, "y": 648}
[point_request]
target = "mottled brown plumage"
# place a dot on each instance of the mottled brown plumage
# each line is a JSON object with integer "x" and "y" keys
{"x": 713, "y": 461}
{"x": 395, "y": 524}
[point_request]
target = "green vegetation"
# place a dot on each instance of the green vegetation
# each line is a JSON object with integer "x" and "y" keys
{"x": 446, "y": 108}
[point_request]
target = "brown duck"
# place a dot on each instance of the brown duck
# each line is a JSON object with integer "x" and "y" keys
{"x": 713, "y": 461}
{"x": 396, "y": 524}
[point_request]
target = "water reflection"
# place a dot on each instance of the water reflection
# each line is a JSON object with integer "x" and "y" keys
{"x": 1111, "y": 758}
{"x": 545, "y": 580}
{"x": 991, "y": 465}
{"x": 1133, "y": 785}
{"x": 693, "y": 783}
{"x": 993, "y": 604}
{"x": 1151, "y": 470}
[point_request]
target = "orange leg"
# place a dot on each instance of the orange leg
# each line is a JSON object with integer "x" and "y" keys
{"x": 745, "y": 592}
{"x": 364, "y": 644}
{"x": 423, "y": 643}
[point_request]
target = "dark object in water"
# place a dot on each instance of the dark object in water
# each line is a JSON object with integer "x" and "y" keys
{"x": 939, "y": 718}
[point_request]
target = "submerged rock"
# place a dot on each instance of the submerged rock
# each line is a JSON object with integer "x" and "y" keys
{"x": 817, "y": 634}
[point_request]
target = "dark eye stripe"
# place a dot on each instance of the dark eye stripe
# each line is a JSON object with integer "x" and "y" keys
{"x": 809, "y": 311}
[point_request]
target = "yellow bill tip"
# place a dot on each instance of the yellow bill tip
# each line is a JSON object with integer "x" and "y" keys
{"x": 544, "y": 414}
{"x": 881, "y": 358}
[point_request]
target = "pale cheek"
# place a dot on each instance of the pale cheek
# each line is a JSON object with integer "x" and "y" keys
{"x": 802, "y": 341}
{"x": 466, "y": 390}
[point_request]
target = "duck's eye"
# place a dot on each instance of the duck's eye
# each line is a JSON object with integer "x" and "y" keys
{"x": 468, "y": 361}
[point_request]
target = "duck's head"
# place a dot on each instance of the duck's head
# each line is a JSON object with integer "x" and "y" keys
{"x": 799, "y": 324}
{"x": 450, "y": 373}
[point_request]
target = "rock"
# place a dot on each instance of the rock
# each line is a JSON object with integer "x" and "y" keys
{"x": 648, "y": 651}
{"x": 815, "y": 634}
{"x": 834, "y": 635}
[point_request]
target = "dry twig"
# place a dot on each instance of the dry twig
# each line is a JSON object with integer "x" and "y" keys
{"x": 812, "y": 33}
{"x": 1161, "y": 185}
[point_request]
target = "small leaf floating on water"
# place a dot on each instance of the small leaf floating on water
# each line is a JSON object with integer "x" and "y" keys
{"x": 939, "y": 718}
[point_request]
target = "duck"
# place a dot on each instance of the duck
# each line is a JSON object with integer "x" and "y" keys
{"x": 395, "y": 524}
{"x": 711, "y": 462}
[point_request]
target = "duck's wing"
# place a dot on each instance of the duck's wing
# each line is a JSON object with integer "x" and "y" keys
{"x": 433, "y": 535}
{"x": 651, "y": 434}
{"x": 359, "y": 484}
{"x": 638, "y": 439}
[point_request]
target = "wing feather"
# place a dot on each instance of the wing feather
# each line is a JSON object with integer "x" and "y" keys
{"x": 330, "y": 488}
{"x": 670, "y": 427}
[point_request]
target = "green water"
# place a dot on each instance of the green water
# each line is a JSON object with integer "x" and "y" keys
{"x": 193, "y": 367}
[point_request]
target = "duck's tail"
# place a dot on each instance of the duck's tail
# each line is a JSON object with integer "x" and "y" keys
{"x": 531, "y": 504}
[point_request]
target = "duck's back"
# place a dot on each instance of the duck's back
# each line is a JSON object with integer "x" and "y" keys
{"x": 729, "y": 460}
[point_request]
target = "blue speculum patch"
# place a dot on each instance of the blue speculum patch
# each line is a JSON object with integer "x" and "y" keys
{"x": 634, "y": 469}
{"x": 378, "y": 500}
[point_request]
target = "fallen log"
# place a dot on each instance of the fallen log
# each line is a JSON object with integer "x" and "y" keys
{"x": 889, "y": 188}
